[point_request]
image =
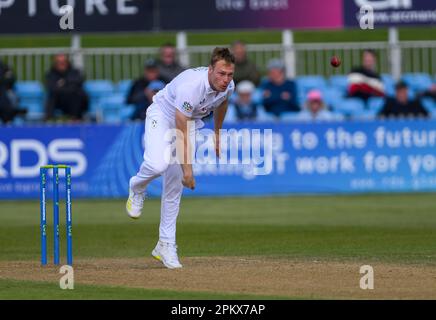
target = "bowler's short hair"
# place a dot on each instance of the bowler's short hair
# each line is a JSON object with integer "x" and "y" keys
{"x": 222, "y": 54}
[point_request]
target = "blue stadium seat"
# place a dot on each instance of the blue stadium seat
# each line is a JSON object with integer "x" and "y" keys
{"x": 307, "y": 83}
{"x": 31, "y": 97}
{"x": 289, "y": 116}
{"x": 126, "y": 112}
{"x": 429, "y": 104}
{"x": 257, "y": 96}
{"x": 364, "y": 114}
{"x": 340, "y": 82}
{"x": 376, "y": 103}
{"x": 389, "y": 84}
{"x": 332, "y": 95}
{"x": 35, "y": 110}
{"x": 417, "y": 81}
{"x": 231, "y": 116}
{"x": 111, "y": 109}
{"x": 338, "y": 116}
{"x": 98, "y": 89}
{"x": 29, "y": 89}
{"x": 263, "y": 116}
{"x": 350, "y": 106}
{"x": 124, "y": 86}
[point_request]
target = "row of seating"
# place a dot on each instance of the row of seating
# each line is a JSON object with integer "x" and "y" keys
{"x": 107, "y": 100}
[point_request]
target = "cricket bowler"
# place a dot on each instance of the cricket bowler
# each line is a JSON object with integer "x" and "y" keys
{"x": 191, "y": 96}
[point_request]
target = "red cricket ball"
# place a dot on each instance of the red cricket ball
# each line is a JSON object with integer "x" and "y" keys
{"x": 335, "y": 61}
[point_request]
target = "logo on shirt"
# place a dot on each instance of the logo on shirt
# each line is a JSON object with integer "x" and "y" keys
{"x": 187, "y": 107}
{"x": 153, "y": 124}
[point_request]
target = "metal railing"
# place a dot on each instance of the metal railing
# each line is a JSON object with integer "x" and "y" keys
{"x": 127, "y": 63}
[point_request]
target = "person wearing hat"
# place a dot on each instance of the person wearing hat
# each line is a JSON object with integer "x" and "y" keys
{"x": 140, "y": 94}
{"x": 401, "y": 106}
{"x": 279, "y": 93}
{"x": 244, "y": 105}
{"x": 315, "y": 108}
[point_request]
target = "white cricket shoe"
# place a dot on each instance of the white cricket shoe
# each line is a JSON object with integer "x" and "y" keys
{"x": 167, "y": 254}
{"x": 134, "y": 204}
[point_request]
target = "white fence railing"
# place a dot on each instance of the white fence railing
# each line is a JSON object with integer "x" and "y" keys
{"x": 126, "y": 63}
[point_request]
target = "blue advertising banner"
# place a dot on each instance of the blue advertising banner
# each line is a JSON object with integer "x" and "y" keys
{"x": 345, "y": 157}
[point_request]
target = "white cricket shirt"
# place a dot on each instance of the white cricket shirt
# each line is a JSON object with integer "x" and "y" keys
{"x": 191, "y": 93}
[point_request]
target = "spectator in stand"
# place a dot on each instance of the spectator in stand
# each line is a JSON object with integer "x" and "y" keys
{"x": 279, "y": 93}
{"x": 400, "y": 106}
{"x": 65, "y": 91}
{"x": 8, "y": 100}
{"x": 167, "y": 64}
{"x": 430, "y": 93}
{"x": 140, "y": 94}
{"x": 244, "y": 105}
{"x": 244, "y": 68}
{"x": 364, "y": 82}
{"x": 154, "y": 87}
{"x": 315, "y": 108}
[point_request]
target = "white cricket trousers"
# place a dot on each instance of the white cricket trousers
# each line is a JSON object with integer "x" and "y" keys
{"x": 155, "y": 165}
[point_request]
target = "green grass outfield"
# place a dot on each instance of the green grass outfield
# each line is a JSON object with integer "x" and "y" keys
{"x": 155, "y": 39}
{"x": 33, "y": 290}
{"x": 398, "y": 228}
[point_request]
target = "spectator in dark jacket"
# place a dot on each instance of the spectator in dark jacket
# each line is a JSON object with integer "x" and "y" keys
{"x": 244, "y": 68}
{"x": 279, "y": 93}
{"x": 65, "y": 91}
{"x": 400, "y": 106}
{"x": 430, "y": 92}
{"x": 140, "y": 94}
{"x": 244, "y": 105}
{"x": 8, "y": 100}
{"x": 167, "y": 64}
{"x": 364, "y": 82}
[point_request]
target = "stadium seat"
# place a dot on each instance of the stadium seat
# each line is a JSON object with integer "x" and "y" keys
{"x": 350, "y": 106}
{"x": 123, "y": 86}
{"x": 332, "y": 95}
{"x": 338, "y": 116}
{"x": 364, "y": 114}
{"x": 98, "y": 89}
{"x": 307, "y": 83}
{"x": 263, "y": 116}
{"x": 376, "y": 103}
{"x": 340, "y": 82}
{"x": 289, "y": 116}
{"x": 257, "y": 96}
{"x": 429, "y": 104}
{"x": 231, "y": 116}
{"x": 126, "y": 112}
{"x": 111, "y": 109}
{"x": 29, "y": 89}
{"x": 389, "y": 84}
{"x": 311, "y": 82}
{"x": 417, "y": 81}
{"x": 31, "y": 97}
